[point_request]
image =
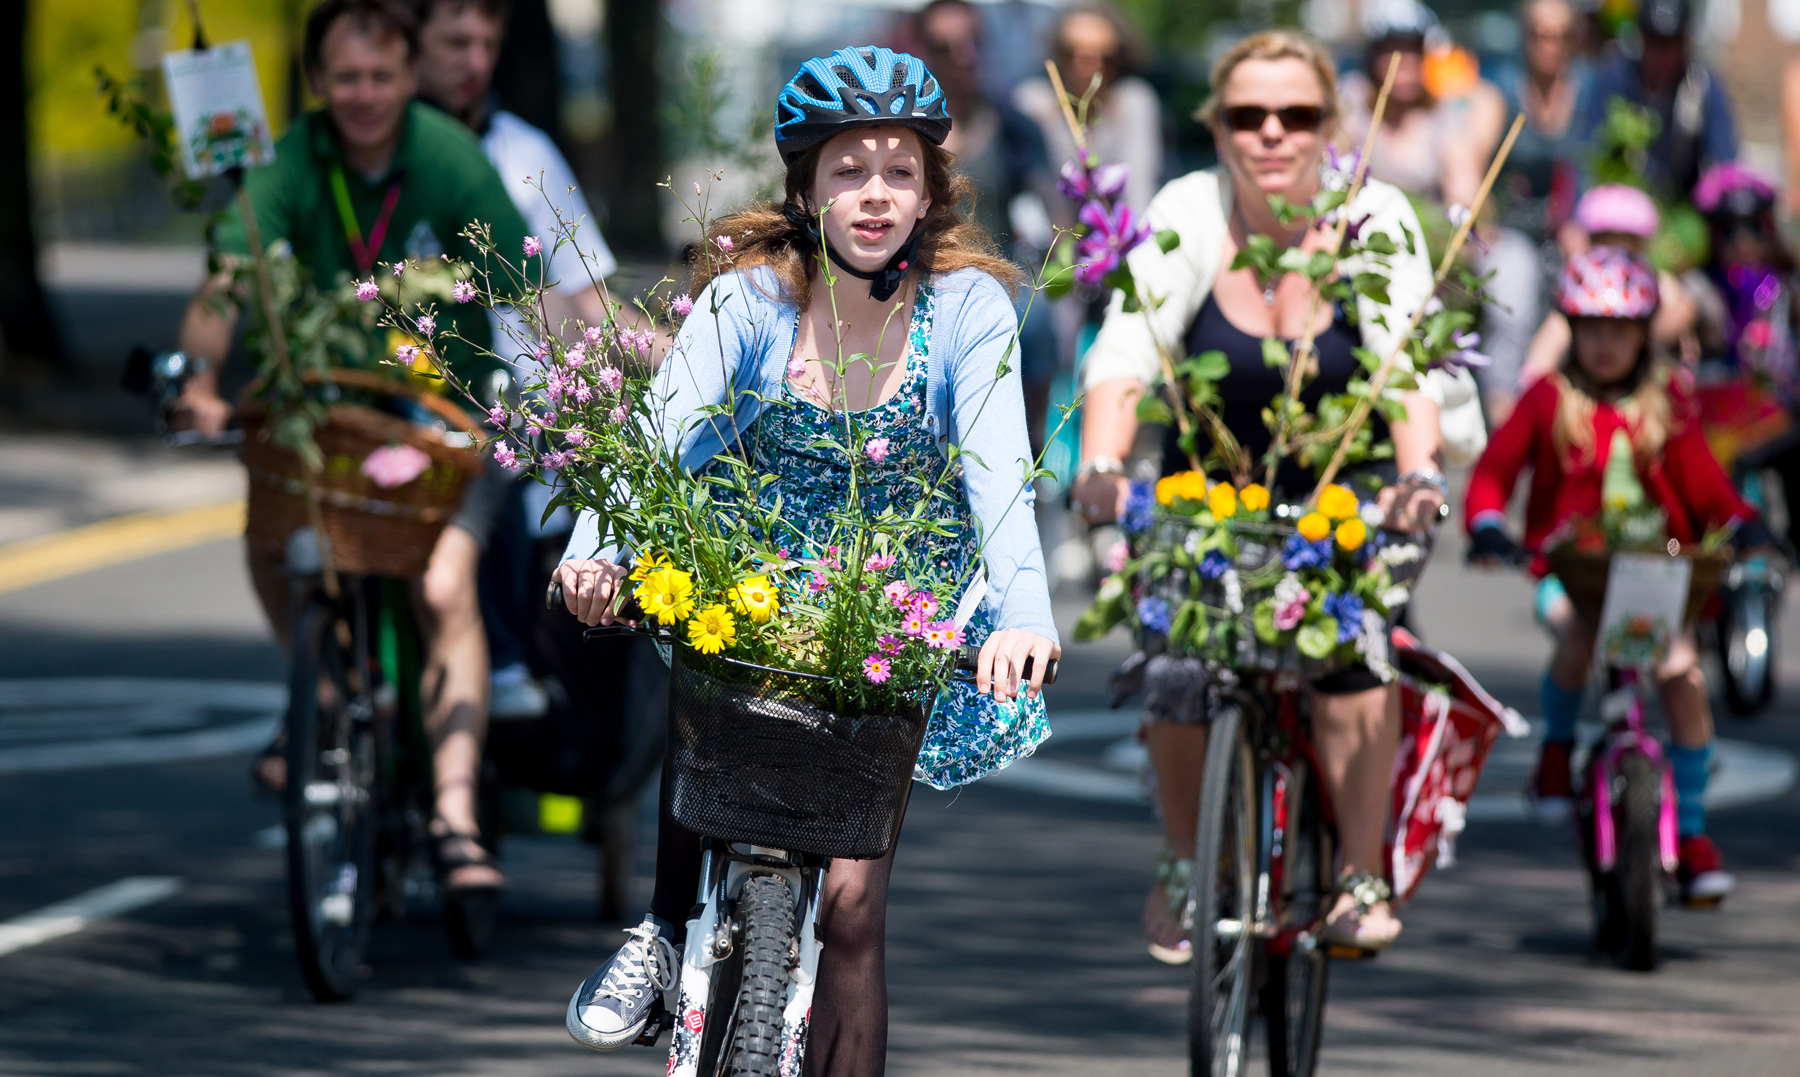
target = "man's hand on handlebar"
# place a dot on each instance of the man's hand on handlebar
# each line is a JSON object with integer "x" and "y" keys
{"x": 588, "y": 589}
{"x": 1004, "y": 656}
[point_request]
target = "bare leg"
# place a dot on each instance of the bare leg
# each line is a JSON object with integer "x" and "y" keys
{"x": 454, "y": 685}
{"x": 271, "y": 590}
{"x": 1358, "y": 734}
{"x": 1683, "y": 685}
{"x": 1574, "y": 655}
{"x": 848, "y": 1036}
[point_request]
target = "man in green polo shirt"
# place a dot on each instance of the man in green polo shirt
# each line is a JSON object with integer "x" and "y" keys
{"x": 373, "y": 179}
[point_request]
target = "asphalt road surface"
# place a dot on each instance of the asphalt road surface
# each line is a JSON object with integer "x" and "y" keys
{"x": 143, "y": 924}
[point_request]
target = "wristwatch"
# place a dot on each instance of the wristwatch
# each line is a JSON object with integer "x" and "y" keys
{"x": 1100, "y": 465}
{"x": 1428, "y": 475}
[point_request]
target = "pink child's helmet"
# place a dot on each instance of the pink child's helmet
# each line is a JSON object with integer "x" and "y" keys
{"x": 1614, "y": 207}
{"x": 1607, "y": 282}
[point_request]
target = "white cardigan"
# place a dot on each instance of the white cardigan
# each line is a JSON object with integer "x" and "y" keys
{"x": 1195, "y": 207}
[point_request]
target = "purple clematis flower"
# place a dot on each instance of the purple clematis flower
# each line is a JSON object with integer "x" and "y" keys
{"x": 1112, "y": 234}
{"x": 1465, "y": 353}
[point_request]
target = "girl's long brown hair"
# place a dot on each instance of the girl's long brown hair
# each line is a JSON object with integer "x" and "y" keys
{"x": 1649, "y": 415}
{"x": 762, "y": 235}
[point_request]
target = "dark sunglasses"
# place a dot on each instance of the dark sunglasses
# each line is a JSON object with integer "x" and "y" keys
{"x": 1297, "y": 119}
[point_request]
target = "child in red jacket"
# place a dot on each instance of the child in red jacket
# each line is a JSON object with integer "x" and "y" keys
{"x": 1610, "y": 396}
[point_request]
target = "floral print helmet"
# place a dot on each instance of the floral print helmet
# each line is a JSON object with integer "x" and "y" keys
{"x": 1607, "y": 282}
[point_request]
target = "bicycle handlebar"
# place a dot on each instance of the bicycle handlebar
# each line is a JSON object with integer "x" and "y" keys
{"x": 632, "y": 612}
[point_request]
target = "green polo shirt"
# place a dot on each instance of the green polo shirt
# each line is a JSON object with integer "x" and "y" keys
{"x": 446, "y": 183}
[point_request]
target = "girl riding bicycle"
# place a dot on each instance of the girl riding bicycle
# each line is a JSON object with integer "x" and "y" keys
{"x": 929, "y": 329}
{"x": 1611, "y": 416}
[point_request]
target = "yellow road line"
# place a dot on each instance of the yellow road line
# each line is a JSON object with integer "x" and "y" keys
{"x": 116, "y": 541}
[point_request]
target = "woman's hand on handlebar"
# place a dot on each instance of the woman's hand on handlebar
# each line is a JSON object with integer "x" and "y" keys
{"x": 1414, "y": 505}
{"x": 589, "y": 588}
{"x": 1098, "y": 497}
{"x": 1003, "y": 657}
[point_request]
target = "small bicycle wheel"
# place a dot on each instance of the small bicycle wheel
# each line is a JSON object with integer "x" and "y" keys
{"x": 1638, "y": 870}
{"x": 329, "y": 802}
{"x": 1748, "y": 648}
{"x": 1293, "y": 992}
{"x": 1224, "y": 867}
{"x": 766, "y": 910}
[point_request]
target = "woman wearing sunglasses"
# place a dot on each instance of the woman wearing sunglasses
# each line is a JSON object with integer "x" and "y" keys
{"x": 1273, "y": 112}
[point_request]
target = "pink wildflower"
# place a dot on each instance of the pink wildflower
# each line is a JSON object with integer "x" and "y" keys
{"x": 879, "y": 562}
{"x": 533, "y": 246}
{"x": 818, "y": 582}
{"x": 1290, "y": 614}
{"x": 583, "y": 392}
{"x": 877, "y": 668}
{"x": 576, "y": 437}
{"x": 406, "y": 354}
{"x": 399, "y": 268}
{"x": 497, "y": 415}
{"x": 462, "y": 291}
{"x": 891, "y": 644}
{"x": 683, "y": 305}
{"x": 942, "y": 635}
{"x": 725, "y": 243}
{"x": 696, "y": 187}
{"x": 617, "y": 414}
{"x": 509, "y": 460}
{"x": 595, "y": 335}
{"x": 427, "y": 324}
{"x": 1115, "y": 557}
{"x": 896, "y": 592}
{"x": 575, "y": 356}
{"x": 367, "y": 290}
{"x": 796, "y": 369}
{"x": 833, "y": 558}
{"x": 534, "y": 424}
{"x": 924, "y": 602}
{"x": 913, "y": 625}
{"x": 876, "y": 449}
{"x": 394, "y": 465}
{"x": 610, "y": 378}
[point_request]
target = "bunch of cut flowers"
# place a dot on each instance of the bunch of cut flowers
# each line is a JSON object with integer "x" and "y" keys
{"x": 1210, "y": 568}
{"x": 716, "y": 565}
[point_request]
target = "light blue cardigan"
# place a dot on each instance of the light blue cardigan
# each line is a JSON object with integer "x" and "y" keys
{"x": 737, "y": 343}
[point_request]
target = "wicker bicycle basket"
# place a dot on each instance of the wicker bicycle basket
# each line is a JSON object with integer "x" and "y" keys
{"x": 1584, "y": 575}
{"x": 372, "y": 530}
{"x": 753, "y": 759}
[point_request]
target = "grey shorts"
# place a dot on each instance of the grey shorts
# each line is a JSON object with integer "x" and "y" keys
{"x": 485, "y": 500}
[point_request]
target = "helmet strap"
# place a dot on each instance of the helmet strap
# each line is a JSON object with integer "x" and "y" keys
{"x": 883, "y": 282}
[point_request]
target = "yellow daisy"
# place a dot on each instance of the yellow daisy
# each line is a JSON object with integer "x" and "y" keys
{"x": 1165, "y": 490}
{"x": 712, "y": 630}
{"x": 754, "y": 598}
{"x": 1222, "y": 501}
{"x": 1254, "y": 497}
{"x": 1351, "y": 533}
{"x": 667, "y": 595}
{"x": 1337, "y": 502}
{"x": 1314, "y": 526}
{"x": 647, "y": 564}
{"x": 1191, "y": 486}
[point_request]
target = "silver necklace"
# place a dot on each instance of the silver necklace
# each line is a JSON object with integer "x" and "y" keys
{"x": 1268, "y": 286}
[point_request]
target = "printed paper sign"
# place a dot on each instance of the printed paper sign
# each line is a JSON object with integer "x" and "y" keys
{"x": 1645, "y": 597}
{"x": 220, "y": 121}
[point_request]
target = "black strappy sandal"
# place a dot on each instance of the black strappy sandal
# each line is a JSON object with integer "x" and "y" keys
{"x": 450, "y": 852}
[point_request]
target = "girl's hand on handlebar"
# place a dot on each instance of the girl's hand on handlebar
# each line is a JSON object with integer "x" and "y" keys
{"x": 588, "y": 589}
{"x": 1492, "y": 547}
{"x": 1003, "y": 657}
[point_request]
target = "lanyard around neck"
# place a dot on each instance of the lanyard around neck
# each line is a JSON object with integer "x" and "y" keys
{"x": 363, "y": 252}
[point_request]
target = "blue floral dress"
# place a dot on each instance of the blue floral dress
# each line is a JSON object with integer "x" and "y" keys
{"x": 969, "y": 735}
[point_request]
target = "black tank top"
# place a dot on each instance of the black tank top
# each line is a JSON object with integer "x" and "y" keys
{"x": 1251, "y": 384}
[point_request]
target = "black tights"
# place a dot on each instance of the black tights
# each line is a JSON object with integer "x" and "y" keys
{"x": 848, "y": 1037}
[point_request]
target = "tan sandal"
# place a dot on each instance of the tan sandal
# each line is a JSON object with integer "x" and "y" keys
{"x": 1167, "y": 910}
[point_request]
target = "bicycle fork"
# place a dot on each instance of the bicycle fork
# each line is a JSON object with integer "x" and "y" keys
{"x": 1626, "y": 734}
{"x": 710, "y": 940}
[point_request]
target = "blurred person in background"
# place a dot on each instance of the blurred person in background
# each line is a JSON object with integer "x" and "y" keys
{"x": 1535, "y": 193}
{"x": 1427, "y": 147}
{"x": 1092, "y": 39}
{"x": 1790, "y": 134}
{"x": 1002, "y": 153}
{"x": 375, "y": 163}
{"x": 459, "y": 47}
{"x": 1699, "y": 129}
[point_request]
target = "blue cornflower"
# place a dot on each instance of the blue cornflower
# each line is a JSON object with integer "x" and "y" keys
{"x": 1348, "y": 609}
{"x": 1299, "y": 553}
{"x": 1153, "y": 613}
{"x": 1214, "y": 564}
{"x": 1139, "y": 507}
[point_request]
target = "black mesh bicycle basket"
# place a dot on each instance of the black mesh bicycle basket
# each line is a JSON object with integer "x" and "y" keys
{"x": 754, "y": 758}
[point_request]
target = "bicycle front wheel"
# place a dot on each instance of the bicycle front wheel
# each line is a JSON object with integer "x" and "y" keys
{"x": 329, "y": 802}
{"x": 1638, "y": 872}
{"x": 766, "y": 910}
{"x": 1293, "y": 993}
{"x": 1222, "y": 911}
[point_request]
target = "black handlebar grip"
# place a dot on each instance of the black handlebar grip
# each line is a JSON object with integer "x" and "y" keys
{"x": 965, "y": 663}
{"x": 629, "y": 610}
{"x": 553, "y": 596}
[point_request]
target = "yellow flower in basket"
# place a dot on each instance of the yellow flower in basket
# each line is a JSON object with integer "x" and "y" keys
{"x": 648, "y": 564}
{"x": 712, "y": 630}
{"x": 1337, "y": 502}
{"x": 1351, "y": 533}
{"x": 1314, "y": 526}
{"x": 1254, "y": 497}
{"x": 667, "y": 595}
{"x": 1190, "y": 486}
{"x": 754, "y": 598}
{"x": 1165, "y": 490}
{"x": 1222, "y": 501}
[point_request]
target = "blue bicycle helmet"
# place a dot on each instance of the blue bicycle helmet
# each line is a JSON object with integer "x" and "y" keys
{"x": 863, "y": 86}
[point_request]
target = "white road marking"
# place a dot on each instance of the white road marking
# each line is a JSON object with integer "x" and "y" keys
{"x": 83, "y": 910}
{"x": 78, "y": 723}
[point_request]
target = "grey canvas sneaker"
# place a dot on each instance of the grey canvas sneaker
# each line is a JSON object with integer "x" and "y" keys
{"x": 612, "y": 1006}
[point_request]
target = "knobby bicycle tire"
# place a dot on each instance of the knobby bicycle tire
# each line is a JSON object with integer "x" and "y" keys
{"x": 1639, "y": 865}
{"x": 766, "y": 909}
{"x": 1293, "y": 996}
{"x": 1224, "y": 861}
{"x": 329, "y": 803}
